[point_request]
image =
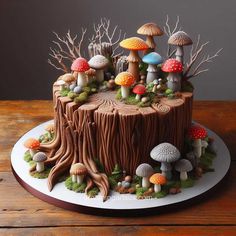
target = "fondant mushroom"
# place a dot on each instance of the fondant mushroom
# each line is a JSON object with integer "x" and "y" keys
{"x": 125, "y": 80}
{"x": 180, "y": 39}
{"x": 134, "y": 44}
{"x": 204, "y": 146}
{"x": 150, "y": 30}
{"x": 152, "y": 59}
{"x": 33, "y": 145}
{"x": 68, "y": 78}
{"x": 158, "y": 179}
{"x": 50, "y": 129}
{"x": 197, "y": 133}
{"x": 39, "y": 158}
{"x": 174, "y": 68}
{"x": 139, "y": 90}
{"x": 61, "y": 84}
{"x": 99, "y": 63}
{"x": 165, "y": 153}
{"x": 78, "y": 171}
{"x": 145, "y": 171}
{"x": 183, "y": 166}
{"x": 80, "y": 65}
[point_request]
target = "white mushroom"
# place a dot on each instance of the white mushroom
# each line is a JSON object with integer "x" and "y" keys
{"x": 77, "y": 171}
{"x": 204, "y": 146}
{"x": 145, "y": 171}
{"x": 39, "y": 158}
{"x": 183, "y": 166}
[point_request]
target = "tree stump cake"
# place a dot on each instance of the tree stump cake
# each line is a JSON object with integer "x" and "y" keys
{"x": 114, "y": 133}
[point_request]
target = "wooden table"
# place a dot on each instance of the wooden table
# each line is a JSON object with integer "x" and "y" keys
{"x": 23, "y": 214}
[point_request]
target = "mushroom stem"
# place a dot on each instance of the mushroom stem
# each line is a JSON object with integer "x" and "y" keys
{"x": 150, "y": 42}
{"x": 124, "y": 91}
{"x": 183, "y": 175}
{"x": 73, "y": 177}
{"x": 40, "y": 167}
{"x": 80, "y": 179}
{"x": 32, "y": 152}
{"x": 179, "y": 55}
{"x": 100, "y": 75}
{"x": 174, "y": 82}
{"x": 82, "y": 79}
{"x": 133, "y": 67}
{"x": 166, "y": 170}
{"x": 138, "y": 97}
{"x": 197, "y": 148}
{"x": 157, "y": 188}
{"x": 152, "y": 73}
{"x": 145, "y": 182}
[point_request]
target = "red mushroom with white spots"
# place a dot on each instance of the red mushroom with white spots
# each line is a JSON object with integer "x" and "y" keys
{"x": 197, "y": 133}
{"x": 174, "y": 68}
{"x": 80, "y": 65}
{"x": 139, "y": 90}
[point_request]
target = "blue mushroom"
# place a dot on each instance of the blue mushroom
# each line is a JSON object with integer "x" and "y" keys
{"x": 152, "y": 59}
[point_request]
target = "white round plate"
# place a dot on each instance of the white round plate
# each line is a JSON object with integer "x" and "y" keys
{"x": 116, "y": 202}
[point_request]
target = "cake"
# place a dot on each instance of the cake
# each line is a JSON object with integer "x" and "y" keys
{"x": 123, "y": 123}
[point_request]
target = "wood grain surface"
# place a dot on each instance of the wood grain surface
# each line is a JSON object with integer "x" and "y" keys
{"x": 23, "y": 214}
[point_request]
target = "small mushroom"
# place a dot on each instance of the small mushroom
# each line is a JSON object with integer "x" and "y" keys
{"x": 33, "y": 145}
{"x": 165, "y": 153}
{"x": 158, "y": 179}
{"x": 61, "y": 84}
{"x": 80, "y": 65}
{"x": 197, "y": 133}
{"x": 204, "y": 146}
{"x": 68, "y": 78}
{"x": 180, "y": 39}
{"x": 145, "y": 99}
{"x": 145, "y": 171}
{"x": 50, "y": 129}
{"x": 78, "y": 171}
{"x": 152, "y": 59}
{"x": 183, "y": 166}
{"x": 139, "y": 90}
{"x": 39, "y": 158}
{"x": 125, "y": 80}
{"x": 174, "y": 68}
{"x": 99, "y": 63}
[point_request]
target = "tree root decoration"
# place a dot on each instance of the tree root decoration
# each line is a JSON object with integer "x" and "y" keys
{"x": 89, "y": 184}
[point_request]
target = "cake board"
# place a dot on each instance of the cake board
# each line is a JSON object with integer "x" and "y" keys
{"x": 116, "y": 204}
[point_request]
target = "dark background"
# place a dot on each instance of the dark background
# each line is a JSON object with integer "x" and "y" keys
{"x": 26, "y": 33}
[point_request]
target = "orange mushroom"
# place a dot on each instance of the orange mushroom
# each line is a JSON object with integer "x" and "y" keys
{"x": 134, "y": 44}
{"x": 157, "y": 179}
{"x": 32, "y": 144}
{"x": 125, "y": 80}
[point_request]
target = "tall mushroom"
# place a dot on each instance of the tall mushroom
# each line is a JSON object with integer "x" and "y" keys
{"x": 165, "y": 153}
{"x": 145, "y": 171}
{"x": 39, "y": 158}
{"x": 134, "y": 44}
{"x": 78, "y": 171}
{"x": 99, "y": 63}
{"x": 174, "y": 68}
{"x": 152, "y": 59}
{"x": 197, "y": 133}
{"x": 180, "y": 39}
{"x": 158, "y": 179}
{"x": 183, "y": 166}
{"x": 139, "y": 90}
{"x": 80, "y": 65}
{"x": 125, "y": 80}
{"x": 150, "y": 30}
{"x": 33, "y": 145}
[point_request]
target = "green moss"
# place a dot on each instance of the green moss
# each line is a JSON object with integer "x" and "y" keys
{"x": 140, "y": 191}
{"x": 187, "y": 86}
{"x": 81, "y": 98}
{"x": 64, "y": 92}
{"x": 137, "y": 180}
{"x": 32, "y": 163}
{"x": 72, "y": 95}
{"x": 44, "y": 138}
{"x": 116, "y": 173}
{"x": 131, "y": 100}
{"x": 187, "y": 183}
{"x": 87, "y": 89}
{"x": 27, "y": 156}
{"x": 99, "y": 165}
{"x": 41, "y": 175}
{"x": 112, "y": 182}
{"x": 160, "y": 194}
{"x": 168, "y": 92}
{"x": 93, "y": 192}
{"x": 206, "y": 160}
{"x": 75, "y": 186}
{"x": 118, "y": 94}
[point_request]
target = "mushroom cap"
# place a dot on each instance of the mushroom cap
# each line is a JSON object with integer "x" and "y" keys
{"x": 172, "y": 65}
{"x": 180, "y": 38}
{"x": 80, "y": 65}
{"x": 32, "y": 143}
{"x": 60, "y": 82}
{"x": 139, "y": 89}
{"x": 68, "y": 77}
{"x": 197, "y": 132}
{"x": 124, "y": 79}
{"x": 78, "y": 169}
{"x": 50, "y": 127}
{"x": 150, "y": 29}
{"x": 134, "y": 43}
{"x": 165, "y": 152}
{"x": 90, "y": 72}
{"x": 39, "y": 157}
{"x": 152, "y": 58}
{"x": 98, "y": 62}
{"x": 183, "y": 165}
{"x": 158, "y": 178}
{"x": 144, "y": 170}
